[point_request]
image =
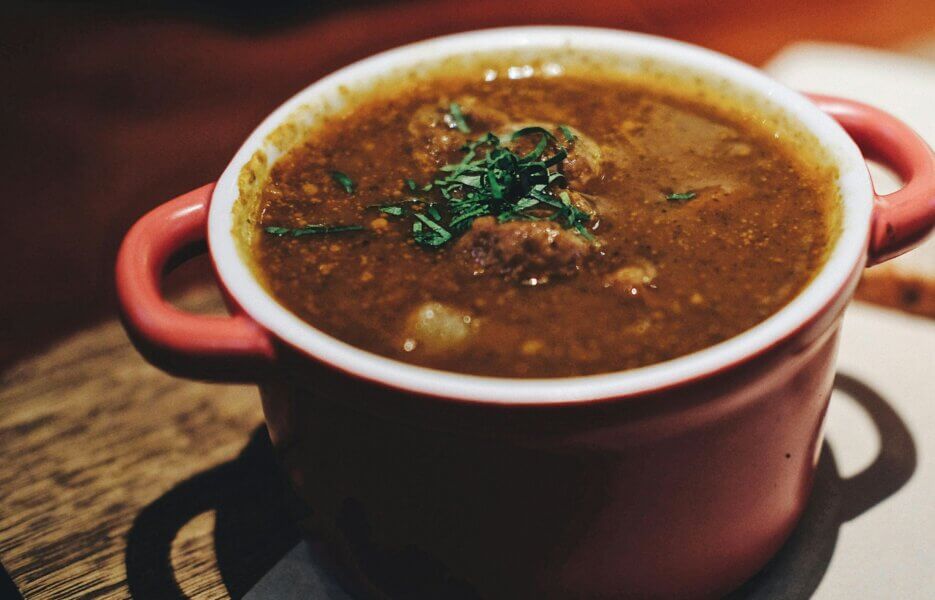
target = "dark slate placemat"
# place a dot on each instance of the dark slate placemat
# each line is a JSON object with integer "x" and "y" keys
{"x": 303, "y": 573}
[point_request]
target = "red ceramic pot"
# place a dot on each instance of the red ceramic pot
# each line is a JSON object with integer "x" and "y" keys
{"x": 677, "y": 480}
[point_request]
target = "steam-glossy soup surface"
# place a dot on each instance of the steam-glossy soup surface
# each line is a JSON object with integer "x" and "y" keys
{"x": 668, "y": 225}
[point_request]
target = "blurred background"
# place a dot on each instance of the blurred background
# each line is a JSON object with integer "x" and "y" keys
{"x": 107, "y": 110}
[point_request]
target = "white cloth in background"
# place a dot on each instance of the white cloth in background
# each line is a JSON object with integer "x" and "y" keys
{"x": 889, "y": 550}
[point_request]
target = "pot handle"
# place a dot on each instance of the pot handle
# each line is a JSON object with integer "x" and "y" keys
{"x": 218, "y": 348}
{"x": 903, "y": 219}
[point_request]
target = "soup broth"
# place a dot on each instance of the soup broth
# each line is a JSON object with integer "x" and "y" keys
{"x": 539, "y": 226}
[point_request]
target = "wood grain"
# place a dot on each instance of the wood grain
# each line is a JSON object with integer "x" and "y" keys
{"x": 89, "y": 435}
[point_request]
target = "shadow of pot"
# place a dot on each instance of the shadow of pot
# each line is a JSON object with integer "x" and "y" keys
{"x": 256, "y": 512}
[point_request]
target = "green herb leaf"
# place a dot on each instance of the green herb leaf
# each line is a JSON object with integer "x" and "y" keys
{"x": 492, "y": 180}
{"x": 435, "y": 236}
{"x": 561, "y": 155}
{"x": 469, "y": 216}
{"x": 458, "y": 117}
{"x": 496, "y": 190}
{"x": 583, "y": 232}
{"x": 411, "y": 184}
{"x": 344, "y": 181}
{"x": 567, "y": 132}
{"x": 538, "y": 150}
{"x": 531, "y": 130}
{"x": 396, "y": 211}
{"x": 570, "y": 209}
{"x": 558, "y": 178}
{"x": 525, "y": 203}
{"x": 682, "y": 196}
{"x": 311, "y": 230}
{"x": 401, "y": 205}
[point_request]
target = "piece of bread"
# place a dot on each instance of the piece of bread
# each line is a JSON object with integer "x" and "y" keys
{"x": 903, "y": 84}
{"x": 906, "y": 282}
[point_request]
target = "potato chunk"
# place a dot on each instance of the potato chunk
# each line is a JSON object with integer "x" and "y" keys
{"x": 634, "y": 281}
{"x": 436, "y": 328}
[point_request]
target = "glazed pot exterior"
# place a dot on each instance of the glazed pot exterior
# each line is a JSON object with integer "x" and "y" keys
{"x": 684, "y": 494}
{"x": 676, "y": 480}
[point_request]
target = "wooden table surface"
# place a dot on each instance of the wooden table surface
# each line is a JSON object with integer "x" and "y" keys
{"x": 119, "y": 480}
{"x": 91, "y": 436}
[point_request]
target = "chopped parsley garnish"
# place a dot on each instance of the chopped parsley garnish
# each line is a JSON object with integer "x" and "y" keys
{"x": 399, "y": 204}
{"x": 567, "y": 132}
{"x": 432, "y": 234}
{"x": 344, "y": 181}
{"x": 396, "y": 211}
{"x": 458, "y": 117}
{"x": 311, "y": 230}
{"x": 530, "y": 131}
{"x": 682, "y": 196}
{"x": 492, "y": 180}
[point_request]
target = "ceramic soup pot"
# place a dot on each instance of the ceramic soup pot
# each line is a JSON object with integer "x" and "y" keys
{"x": 676, "y": 480}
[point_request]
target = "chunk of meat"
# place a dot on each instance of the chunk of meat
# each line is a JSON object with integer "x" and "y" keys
{"x": 480, "y": 117}
{"x": 583, "y": 162}
{"x": 436, "y": 135}
{"x": 436, "y": 328}
{"x": 527, "y": 251}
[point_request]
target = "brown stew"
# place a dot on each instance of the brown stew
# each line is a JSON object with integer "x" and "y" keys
{"x": 541, "y": 226}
